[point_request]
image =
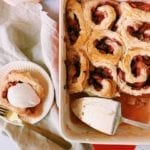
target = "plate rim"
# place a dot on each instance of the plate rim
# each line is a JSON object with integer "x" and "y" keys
{"x": 50, "y": 94}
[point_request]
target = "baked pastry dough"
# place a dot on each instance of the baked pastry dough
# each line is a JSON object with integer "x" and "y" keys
{"x": 78, "y": 67}
{"x": 77, "y": 31}
{"x": 134, "y": 27}
{"x": 98, "y": 16}
{"x": 102, "y": 81}
{"x": 133, "y": 12}
{"x": 12, "y": 79}
{"x": 134, "y": 72}
{"x": 115, "y": 37}
{"x": 105, "y": 46}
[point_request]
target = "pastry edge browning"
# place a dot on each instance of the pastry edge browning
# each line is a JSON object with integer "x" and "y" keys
{"x": 80, "y": 83}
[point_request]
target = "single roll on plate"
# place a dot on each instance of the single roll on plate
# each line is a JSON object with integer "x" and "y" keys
{"x": 22, "y": 91}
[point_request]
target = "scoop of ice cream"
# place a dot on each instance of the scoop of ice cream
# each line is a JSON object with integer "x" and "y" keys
{"x": 22, "y": 95}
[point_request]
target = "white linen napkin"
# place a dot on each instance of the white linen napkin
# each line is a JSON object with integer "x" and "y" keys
{"x": 27, "y": 33}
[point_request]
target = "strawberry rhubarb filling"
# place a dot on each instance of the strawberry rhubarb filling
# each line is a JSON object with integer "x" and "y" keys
{"x": 140, "y": 31}
{"x": 97, "y": 75}
{"x": 140, "y": 5}
{"x": 74, "y": 68}
{"x": 97, "y": 16}
{"x": 73, "y": 28}
{"x": 105, "y": 45}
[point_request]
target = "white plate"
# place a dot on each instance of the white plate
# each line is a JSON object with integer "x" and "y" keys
{"x": 40, "y": 74}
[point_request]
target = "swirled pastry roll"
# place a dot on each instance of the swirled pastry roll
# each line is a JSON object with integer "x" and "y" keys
{"x": 105, "y": 46}
{"x": 102, "y": 81}
{"x": 99, "y": 15}
{"x": 134, "y": 27}
{"x": 77, "y": 31}
{"x": 134, "y": 72}
{"x": 78, "y": 68}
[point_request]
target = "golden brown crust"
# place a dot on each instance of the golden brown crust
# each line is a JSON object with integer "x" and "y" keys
{"x": 98, "y": 15}
{"x": 78, "y": 70}
{"x": 135, "y": 67}
{"x": 134, "y": 27}
{"x": 119, "y": 36}
{"x": 102, "y": 81}
{"x": 105, "y": 46}
{"x": 77, "y": 31}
